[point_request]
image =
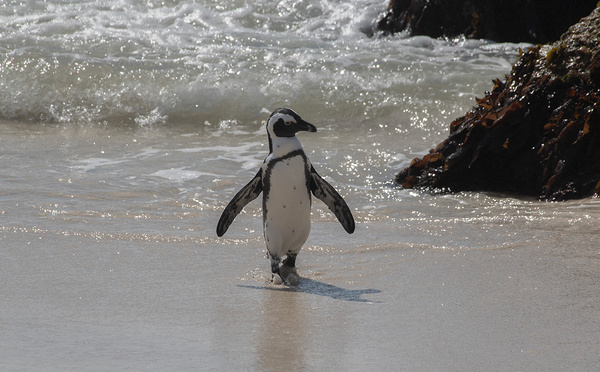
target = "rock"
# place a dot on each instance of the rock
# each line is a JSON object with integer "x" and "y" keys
{"x": 533, "y": 21}
{"x": 537, "y": 133}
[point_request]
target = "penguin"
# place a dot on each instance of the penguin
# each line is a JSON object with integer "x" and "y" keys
{"x": 286, "y": 179}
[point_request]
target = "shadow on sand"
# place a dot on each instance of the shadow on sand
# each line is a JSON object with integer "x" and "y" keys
{"x": 321, "y": 289}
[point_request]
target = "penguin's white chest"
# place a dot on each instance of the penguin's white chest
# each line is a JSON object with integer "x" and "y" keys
{"x": 287, "y": 206}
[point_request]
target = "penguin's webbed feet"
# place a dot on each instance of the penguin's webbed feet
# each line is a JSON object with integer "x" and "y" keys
{"x": 284, "y": 272}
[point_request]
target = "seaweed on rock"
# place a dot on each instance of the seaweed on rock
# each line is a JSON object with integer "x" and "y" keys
{"x": 537, "y": 133}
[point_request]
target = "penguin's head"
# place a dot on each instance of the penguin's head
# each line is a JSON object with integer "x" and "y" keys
{"x": 284, "y": 122}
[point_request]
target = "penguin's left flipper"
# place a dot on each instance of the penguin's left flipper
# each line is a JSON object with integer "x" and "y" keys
{"x": 248, "y": 193}
{"x": 322, "y": 190}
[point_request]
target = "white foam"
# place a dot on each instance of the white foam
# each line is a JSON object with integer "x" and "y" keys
{"x": 95, "y": 163}
{"x": 182, "y": 174}
{"x": 125, "y": 62}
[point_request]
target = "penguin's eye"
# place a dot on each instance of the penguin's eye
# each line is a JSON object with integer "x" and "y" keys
{"x": 288, "y": 122}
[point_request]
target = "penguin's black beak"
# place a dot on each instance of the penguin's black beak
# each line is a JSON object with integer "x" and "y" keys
{"x": 306, "y": 126}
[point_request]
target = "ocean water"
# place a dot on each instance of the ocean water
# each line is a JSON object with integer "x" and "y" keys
{"x": 127, "y": 126}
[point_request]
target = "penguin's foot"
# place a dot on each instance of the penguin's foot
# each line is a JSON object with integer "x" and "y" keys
{"x": 289, "y": 275}
{"x": 292, "y": 280}
{"x": 286, "y": 271}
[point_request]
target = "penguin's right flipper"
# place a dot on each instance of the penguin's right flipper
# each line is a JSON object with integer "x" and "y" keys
{"x": 325, "y": 192}
{"x": 248, "y": 193}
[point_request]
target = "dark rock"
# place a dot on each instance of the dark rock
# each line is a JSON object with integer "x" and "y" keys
{"x": 537, "y": 133}
{"x": 533, "y": 21}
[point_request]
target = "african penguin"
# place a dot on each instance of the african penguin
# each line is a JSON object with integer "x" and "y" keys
{"x": 286, "y": 180}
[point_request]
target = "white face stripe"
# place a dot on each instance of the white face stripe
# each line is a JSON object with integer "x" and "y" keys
{"x": 288, "y": 119}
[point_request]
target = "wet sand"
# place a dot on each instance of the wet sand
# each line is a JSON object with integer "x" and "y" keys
{"x": 97, "y": 304}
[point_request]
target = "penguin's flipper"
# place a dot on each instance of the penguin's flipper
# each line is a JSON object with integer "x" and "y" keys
{"x": 248, "y": 193}
{"x": 322, "y": 190}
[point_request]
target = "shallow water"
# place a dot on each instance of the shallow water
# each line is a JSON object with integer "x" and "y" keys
{"x": 111, "y": 187}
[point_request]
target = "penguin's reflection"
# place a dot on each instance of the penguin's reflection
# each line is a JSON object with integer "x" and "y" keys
{"x": 282, "y": 338}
